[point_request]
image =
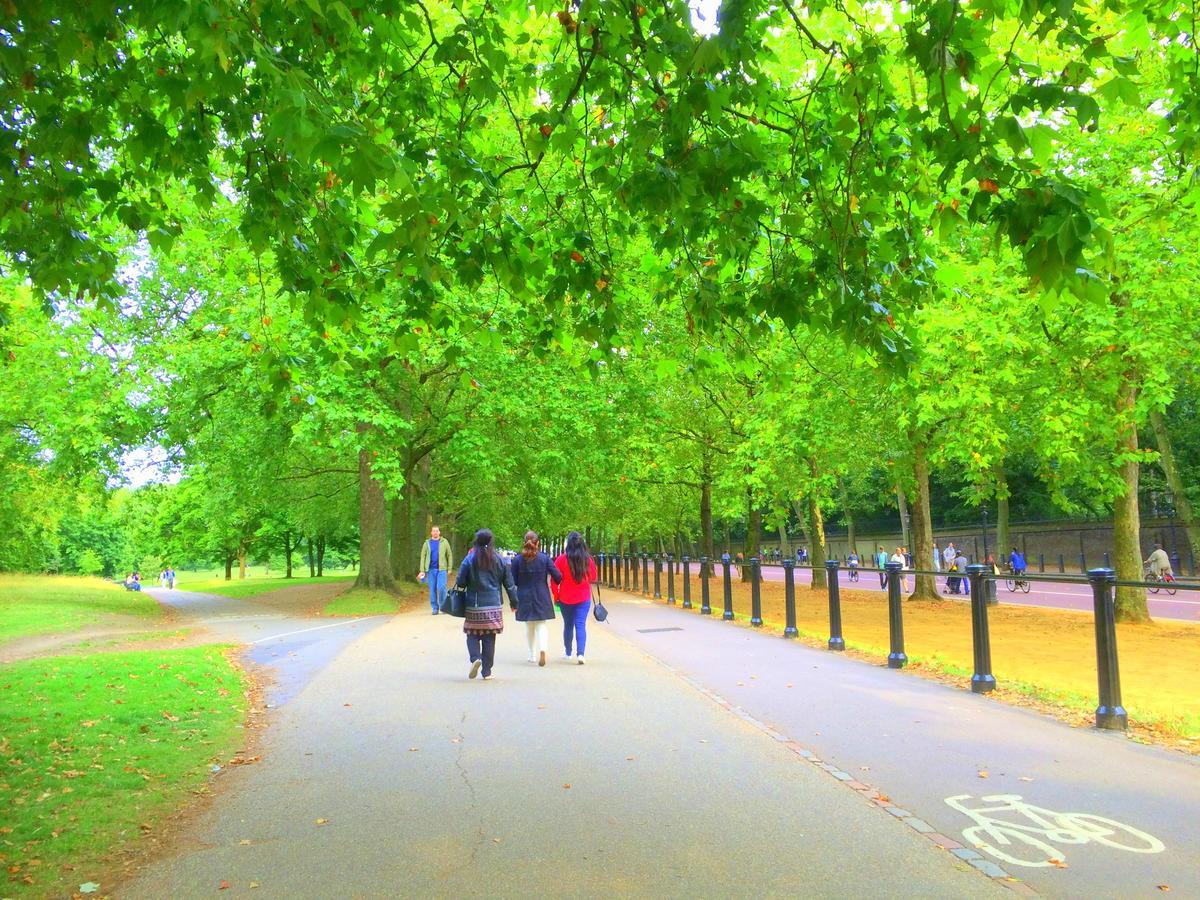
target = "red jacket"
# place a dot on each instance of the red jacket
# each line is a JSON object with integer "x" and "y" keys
{"x": 572, "y": 592}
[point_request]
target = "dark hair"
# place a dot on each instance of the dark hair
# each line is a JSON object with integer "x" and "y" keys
{"x": 485, "y": 552}
{"x": 577, "y": 556}
{"x": 532, "y": 543}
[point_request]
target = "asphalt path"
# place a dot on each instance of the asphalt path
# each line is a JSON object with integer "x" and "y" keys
{"x": 923, "y": 743}
{"x": 1185, "y": 606}
{"x": 291, "y": 647}
{"x": 390, "y": 773}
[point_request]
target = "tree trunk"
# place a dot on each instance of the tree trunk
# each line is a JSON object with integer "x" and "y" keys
{"x": 1166, "y": 461}
{"x": 401, "y": 556}
{"x": 707, "y": 547}
{"x": 1003, "y": 547}
{"x": 851, "y": 539}
{"x": 374, "y": 569}
{"x": 922, "y": 526}
{"x": 287, "y": 552}
{"x": 753, "y": 534}
{"x": 1127, "y": 525}
{"x": 320, "y": 555}
{"x": 242, "y": 560}
{"x": 785, "y": 549}
{"x": 228, "y": 566}
{"x": 816, "y": 531}
{"x": 312, "y": 562}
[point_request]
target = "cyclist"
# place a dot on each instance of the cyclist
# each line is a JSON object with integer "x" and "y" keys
{"x": 1159, "y": 564}
{"x": 1016, "y": 560}
{"x": 852, "y": 563}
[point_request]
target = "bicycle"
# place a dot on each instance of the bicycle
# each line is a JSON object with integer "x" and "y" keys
{"x": 1163, "y": 581}
{"x": 853, "y": 573}
{"x": 1015, "y": 582}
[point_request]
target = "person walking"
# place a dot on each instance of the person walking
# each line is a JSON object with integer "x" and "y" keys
{"x": 898, "y": 557}
{"x": 964, "y": 580}
{"x": 949, "y": 555}
{"x": 574, "y": 594}
{"x": 530, "y": 571}
{"x": 881, "y": 559}
{"x": 937, "y": 557}
{"x": 437, "y": 559}
{"x": 484, "y": 573}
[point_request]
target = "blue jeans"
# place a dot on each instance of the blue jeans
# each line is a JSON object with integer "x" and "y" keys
{"x": 575, "y": 623}
{"x": 437, "y": 588}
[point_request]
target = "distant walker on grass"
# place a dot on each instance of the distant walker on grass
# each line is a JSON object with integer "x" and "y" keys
{"x": 436, "y": 561}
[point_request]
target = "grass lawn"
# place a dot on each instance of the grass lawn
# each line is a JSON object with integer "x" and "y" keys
{"x": 207, "y": 583}
{"x": 1047, "y": 655}
{"x": 369, "y": 602}
{"x": 97, "y": 750}
{"x": 40, "y": 604}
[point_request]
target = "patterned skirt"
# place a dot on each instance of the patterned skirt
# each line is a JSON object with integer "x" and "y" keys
{"x": 481, "y": 620}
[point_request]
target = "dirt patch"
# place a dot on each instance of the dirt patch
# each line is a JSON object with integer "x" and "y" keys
{"x": 302, "y": 599}
{"x": 1042, "y": 658}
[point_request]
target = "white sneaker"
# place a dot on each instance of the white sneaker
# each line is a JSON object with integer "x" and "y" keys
{"x": 475, "y": 667}
{"x": 581, "y": 660}
{"x": 567, "y": 657}
{"x": 488, "y": 677}
{"x": 529, "y": 659}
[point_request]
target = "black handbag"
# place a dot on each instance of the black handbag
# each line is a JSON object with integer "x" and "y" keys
{"x": 455, "y": 602}
{"x": 598, "y": 609}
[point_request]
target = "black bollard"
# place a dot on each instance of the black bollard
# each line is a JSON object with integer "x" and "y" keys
{"x": 755, "y": 591}
{"x": 1110, "y": 713}
{"x": 1082, "y": 563}
{"x": 897, "y": 658}
{"x": 657, "y": 577}
{"x": 670, "y": 580}
{"x": 1062, "y": 564}
{"x": 728, "y": 614}
{"x": 836, "y": 642}
{"x": 983, "y": 680}
{"x": 686, "y": 573}
{"x": 789, "y": 594}
{"x": 705, "y": 575}
{"x": 1042, "y": 563}
{"x": 1107, "y": 561}
{"x": 625, "y": 572}
{"x": 645, "y": 573}
{"x": 635, "y": 573}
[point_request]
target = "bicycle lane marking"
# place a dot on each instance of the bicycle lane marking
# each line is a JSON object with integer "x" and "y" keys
{"x": 1042, "y": 829}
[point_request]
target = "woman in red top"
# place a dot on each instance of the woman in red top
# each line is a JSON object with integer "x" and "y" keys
{"x": 574, "y": 594}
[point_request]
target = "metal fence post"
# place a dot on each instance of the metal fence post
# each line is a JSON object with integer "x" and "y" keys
{"x": 1107, "y": 561}
{"x": 686, "y": 573}
{"x": 983, "y": 680}
{"x": 645, "y": 573}
{"x": 789, "y": 593}
{"x": 897, "y": 657}
{"x": 727, "y": 615}
{"x": 1062, "y": 564}
{"x": 635, "y": 573}
{"x": 1042, "y": 563}
{"x": 670, "y": 579}
{"x": 705, "y": 576}
{"x": 836, "y": 642}
{"x": 1109, "y": 714}
{"x": 755, "y": 591}
{"x": 657, "y": 576}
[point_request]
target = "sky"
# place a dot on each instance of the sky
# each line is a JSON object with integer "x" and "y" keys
{"x": 708, "y": 10}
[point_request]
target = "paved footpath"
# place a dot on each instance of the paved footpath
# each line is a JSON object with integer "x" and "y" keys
{"x": 390, "y": 774}
{"x": 924, "y": 744}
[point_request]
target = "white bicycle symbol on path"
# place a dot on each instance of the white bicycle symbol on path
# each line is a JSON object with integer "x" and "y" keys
{"x": 1042, "y": 829}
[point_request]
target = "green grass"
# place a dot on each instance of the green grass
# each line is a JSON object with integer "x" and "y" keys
{"x": 98, "y": 749}
{"x": 365, "y": 602}
{"x": 250, "y": 587}
{"x": 42, "y": 604}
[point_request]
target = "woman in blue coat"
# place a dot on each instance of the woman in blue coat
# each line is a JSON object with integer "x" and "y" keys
{"x": 534, "y": 607}
{"x": 484, "y": 573}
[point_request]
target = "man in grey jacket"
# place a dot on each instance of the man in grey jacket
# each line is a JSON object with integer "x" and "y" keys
{"x": 436, "y": 561}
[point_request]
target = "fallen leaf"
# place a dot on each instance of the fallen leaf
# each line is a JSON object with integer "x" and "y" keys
{"x": 1163, "y": 887}
{"x": 495, "y": 840}
{"x": 224, "y": 886}
{"x": 1058, "y": 863}
{"x": 629, "y": 757}
{"x": 413, "y": 749}
{"x": 322, "y": 821}
{"x": 703, "y": 741}
{"x": 566, "y": 787}
{"x": 245, "y": 842}
{"x": 1024, "y": 778}
{"x": 345, "y": 704}
{"x": 884, "y": 798}
{"x": 984, "y": 774}
{"x": 253, "y": 885}
{"x": 789, "y": 685}
{"x": 864, "y": 768}
{"x": 742, "y": 683}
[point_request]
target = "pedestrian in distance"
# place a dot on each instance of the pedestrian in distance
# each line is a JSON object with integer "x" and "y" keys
{"x": 484, "y": 574}
{"x": 437, "y": 559}
{"x": 937, "y": 558}
{"x": 898, "y": 557}
{"x": 574, "y": 594}
{"x": 881, "y": 559}
{"x": 949, "y": 555}
{"x": 964, "y": 581}
{"x": 170, "y": 578}
{"x": 532, "y": 571}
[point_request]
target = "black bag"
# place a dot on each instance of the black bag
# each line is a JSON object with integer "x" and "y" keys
{"x": 598, "y": 608}
{"x": 455, "y": 603}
